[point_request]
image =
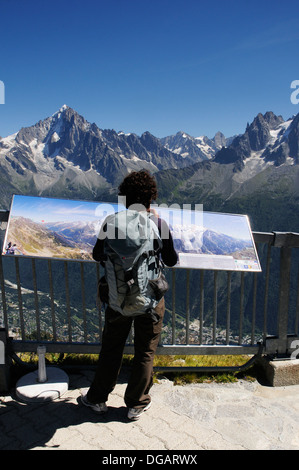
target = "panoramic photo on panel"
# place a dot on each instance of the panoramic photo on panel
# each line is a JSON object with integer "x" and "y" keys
{"x": 68, "y": 229}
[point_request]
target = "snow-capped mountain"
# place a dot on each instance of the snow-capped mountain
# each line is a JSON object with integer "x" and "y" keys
{"x": 64, "y": 154}
{"x": 267, "y": 139}
{"x": 198, "y": 148}
{"x": 81, "y": 232}
{"x": 199, "y": 239}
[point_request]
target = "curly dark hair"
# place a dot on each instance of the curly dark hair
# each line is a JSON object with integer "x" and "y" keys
{"x": 139, "y": 187}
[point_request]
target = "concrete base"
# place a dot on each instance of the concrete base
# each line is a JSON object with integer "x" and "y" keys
{"x": 280, "y": 373}
{"x": 30, "y": 390}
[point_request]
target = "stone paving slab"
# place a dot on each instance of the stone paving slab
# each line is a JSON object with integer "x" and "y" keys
{"x": 238, "y": 416}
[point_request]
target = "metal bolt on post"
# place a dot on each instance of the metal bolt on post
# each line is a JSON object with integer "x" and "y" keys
{"x": 42, "y": 374}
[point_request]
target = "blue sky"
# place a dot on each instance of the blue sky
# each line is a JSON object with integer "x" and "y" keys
{"x": 159, "y": 66}
{"x": 46, "y": 210}
{"x": 41, "y": 209}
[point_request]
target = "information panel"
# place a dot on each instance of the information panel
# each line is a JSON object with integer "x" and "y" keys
{"x": 67, "y": 229}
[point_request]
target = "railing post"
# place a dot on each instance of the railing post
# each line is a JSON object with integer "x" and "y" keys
{"x": 284, "y": 241}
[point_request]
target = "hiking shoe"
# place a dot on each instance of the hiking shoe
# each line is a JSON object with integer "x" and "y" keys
{"x": 97, "y": 407}
{"x": 135, "y": 413}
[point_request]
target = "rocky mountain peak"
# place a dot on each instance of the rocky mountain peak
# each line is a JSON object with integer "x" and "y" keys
{"x": 220, "y": 140}
{"x": 293, "y": 138}
{"x": 273, "y": 120}
{"x": 268, "y": 137}
{"x": 258, "y": 133}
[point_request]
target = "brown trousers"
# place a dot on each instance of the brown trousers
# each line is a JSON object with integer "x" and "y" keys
{"x": 147, "y": 330}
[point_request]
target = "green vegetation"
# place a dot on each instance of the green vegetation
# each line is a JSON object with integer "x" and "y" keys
{"x": 182, "y": 377}
{"x": 178, "y": 377}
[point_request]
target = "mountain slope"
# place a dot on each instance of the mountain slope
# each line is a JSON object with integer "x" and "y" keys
{"x": 36, "y": 239}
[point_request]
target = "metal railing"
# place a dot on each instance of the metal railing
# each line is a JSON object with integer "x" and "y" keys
{"x": 53, "y": 302}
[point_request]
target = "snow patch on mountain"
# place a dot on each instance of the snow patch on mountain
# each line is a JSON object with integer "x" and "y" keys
{"x": 252, "y": 166}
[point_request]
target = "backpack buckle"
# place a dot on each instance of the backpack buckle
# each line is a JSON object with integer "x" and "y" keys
{"x": 129, "y": 278}
{"x": 130, "y": 282}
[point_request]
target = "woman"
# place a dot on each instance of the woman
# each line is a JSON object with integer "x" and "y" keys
{"x": 138, "y": 188}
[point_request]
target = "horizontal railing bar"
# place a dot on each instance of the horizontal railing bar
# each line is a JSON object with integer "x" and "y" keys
{"x": 206, "y": 349}
{"x": 263, "y": 237}
{"x": 57, "y": 347}
{"x": 94, "y": 348}
{"x": 277, "y": 239}
{"x": 286, "y": 240}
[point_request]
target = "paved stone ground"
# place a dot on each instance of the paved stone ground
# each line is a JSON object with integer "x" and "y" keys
{"x": 213, "y": 416}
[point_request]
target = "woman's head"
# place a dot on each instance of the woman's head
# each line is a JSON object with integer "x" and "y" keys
{"x": 139, "y": 187}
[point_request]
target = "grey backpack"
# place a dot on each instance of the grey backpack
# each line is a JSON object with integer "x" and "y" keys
{"x": 133, "y": 269}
